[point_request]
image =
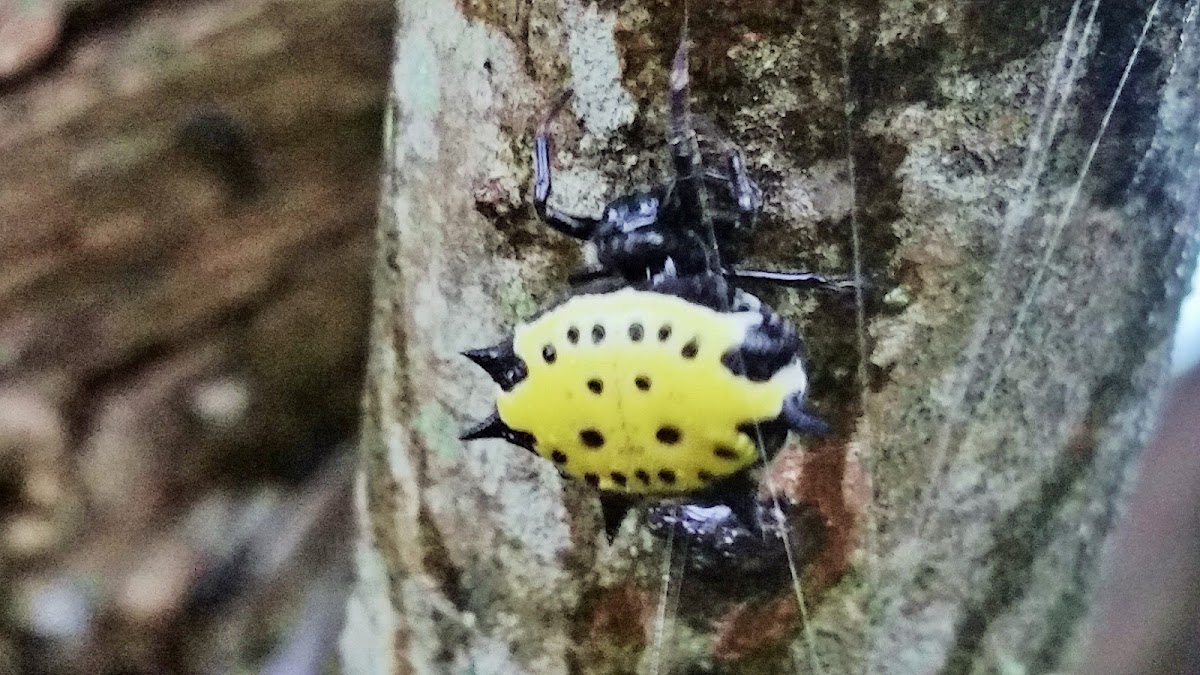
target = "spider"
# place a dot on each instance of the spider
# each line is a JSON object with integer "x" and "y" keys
{"x": 657, "y": 378}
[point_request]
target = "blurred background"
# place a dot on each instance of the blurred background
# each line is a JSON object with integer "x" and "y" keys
{"x": 187, "y": 200}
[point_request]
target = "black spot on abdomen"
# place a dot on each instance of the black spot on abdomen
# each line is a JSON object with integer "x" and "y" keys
{"x": 726, "y": 453}
{"x": 668, "y": 435}
{"x": 591, "y": 438}
{"x": 690, "y": 350}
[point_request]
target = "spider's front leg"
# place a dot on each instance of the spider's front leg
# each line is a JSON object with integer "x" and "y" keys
{"x": 797, "y": 279}
{"x": 738, "y": 190}
{"x": 747, "y": 196}
{"x": 685, "y": 155}
{"x": 580, "y": 227}
{"x": 686, "y": 159}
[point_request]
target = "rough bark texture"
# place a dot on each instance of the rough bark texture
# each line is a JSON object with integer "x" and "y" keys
{"x": 187, "y": 195}
{"x": 997, "y": 403}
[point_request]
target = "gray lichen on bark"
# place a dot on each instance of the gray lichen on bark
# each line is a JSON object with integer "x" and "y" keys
{"x": 1007, "y": 385}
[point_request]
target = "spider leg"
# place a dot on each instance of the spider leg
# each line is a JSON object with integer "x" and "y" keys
{"x": 795, "y": 279}
{"x": 685, "y": 155}
{"x": 746, "y": 194}
{"x": 588, "y": 274}
{"x": 681, "y": 138}
{"x": 580, "y": 227}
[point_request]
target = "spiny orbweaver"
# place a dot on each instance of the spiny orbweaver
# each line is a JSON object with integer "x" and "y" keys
{"x": 657, "y": 378}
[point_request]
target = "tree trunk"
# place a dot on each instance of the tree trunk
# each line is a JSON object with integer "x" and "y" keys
{"x": 1016, "y": 178}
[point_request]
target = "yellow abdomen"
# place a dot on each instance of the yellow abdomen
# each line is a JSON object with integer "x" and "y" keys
{"x": 627, "y": 391}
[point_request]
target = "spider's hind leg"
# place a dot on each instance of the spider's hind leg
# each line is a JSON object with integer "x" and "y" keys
{"x": 580, "y": 227}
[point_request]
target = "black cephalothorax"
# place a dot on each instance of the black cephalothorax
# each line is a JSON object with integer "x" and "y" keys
{"x": 637, "y": 234}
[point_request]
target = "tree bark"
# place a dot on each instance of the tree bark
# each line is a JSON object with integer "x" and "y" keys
{"x": 1030, "y": 242}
